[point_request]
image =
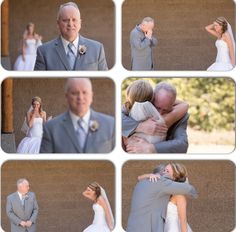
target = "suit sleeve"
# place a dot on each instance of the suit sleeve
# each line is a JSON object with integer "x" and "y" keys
{"x": 35, "y": 210}
{"x": 102, "y": 63}
{"x": 138, "y": 42}
{"x": 40, "y": 62}
{"x": 128, "y": 125}
{"x": 178, "y": 143}
{"x": 10, "y": 213}
{"x": 153, "y": 41}
{"x": 173, "y": 188}
{"x": 46, "y": 143}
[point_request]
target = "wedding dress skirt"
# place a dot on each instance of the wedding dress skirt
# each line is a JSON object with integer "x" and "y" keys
{"x": 31, "y": 46}
{"x": 172, "y": 223}
{"x": 31, "y": 143}
{"x": 99, "y": 221}
{"x": 141, "y": 111}
{"x": 222, "y": 62}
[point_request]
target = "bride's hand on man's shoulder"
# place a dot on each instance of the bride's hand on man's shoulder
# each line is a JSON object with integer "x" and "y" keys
{"x": 154, "y": 177}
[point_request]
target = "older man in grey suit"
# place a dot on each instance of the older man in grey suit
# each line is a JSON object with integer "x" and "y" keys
{"x": 22, "y": 208}
{"x": 70, "y": 51}
{"x": 80, "y": 129}
{"x": 176, "y": 140}
{"x": 150, "y": 199}
{"x": 142, "y": 43}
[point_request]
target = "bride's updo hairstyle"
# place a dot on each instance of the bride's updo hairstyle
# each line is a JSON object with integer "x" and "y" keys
{"x": 223, "y": 22}
{"x": 179, "y": 172}
{"x": 138, "y": 91}
{"x": 96, "y": 188}
{"x": 37, "y": 99}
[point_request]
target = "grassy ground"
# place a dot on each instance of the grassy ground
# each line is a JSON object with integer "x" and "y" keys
{"x": 213, "y": 142}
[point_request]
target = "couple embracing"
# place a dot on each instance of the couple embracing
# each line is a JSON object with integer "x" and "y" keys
{"x": 158, "y": 202}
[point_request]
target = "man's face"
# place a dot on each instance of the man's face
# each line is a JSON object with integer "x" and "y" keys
{"x": 169, "y": 171}
{"x": 163, "y": 101}
{"x": 79, "y": 96}
{"x": 69, "y": 23}
{"x": 147, "y": 26}
{"x": 23, "y": 188}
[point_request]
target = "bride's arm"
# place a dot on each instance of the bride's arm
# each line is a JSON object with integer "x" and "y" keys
{"x": 180, "y": 108}
{"x": 108, "y": 216}
{"x": 226, "y": 37}
{"x": 211, "y": 30}
{"x": 30, "y": 119}
{"x": 181, "y": 207}
{"x": 152, "y": 177}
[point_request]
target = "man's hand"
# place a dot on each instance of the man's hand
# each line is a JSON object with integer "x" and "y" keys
{"x": 28, "y": 224}
{"x": 23, "y": 223}
{"x": 152, "y": 127}
{"x": 149, "y": 34}
{"x": 139, "y": 145}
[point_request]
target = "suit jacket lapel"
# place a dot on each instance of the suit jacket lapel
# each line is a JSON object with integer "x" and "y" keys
{"x": 18, "y": 200}
{"x": 80, "y": 58}
{"x": 61, "y": 53}
{"x": 69, "y": 128}
{"x": 91, "y": 136}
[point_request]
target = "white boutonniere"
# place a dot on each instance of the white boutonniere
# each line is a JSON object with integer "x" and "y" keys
{"x": 93, "y": 125}
{"x": 82, "y": 49}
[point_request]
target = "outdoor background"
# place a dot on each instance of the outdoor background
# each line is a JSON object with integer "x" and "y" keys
{"x": 51, "y": 91}
{"x": 211, "y": 125}
{"x": 58, "y": 186}
{"x": 212, "y": 211}
{"x": 98, "y": 22}
{"x": 183, "y": 43}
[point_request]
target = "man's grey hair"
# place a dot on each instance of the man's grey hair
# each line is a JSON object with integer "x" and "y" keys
{"x": 166, "y": 86}
{"x": 20, "y": 181}
{"x": 159, "y": 169}
{"x": 68, "y": 82}
{"x": 67, "y": 4}
{"x": 147, "y": 20}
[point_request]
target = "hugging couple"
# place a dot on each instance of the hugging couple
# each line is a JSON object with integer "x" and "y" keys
{"x": 158, "y": 202}
{"x": 154, "y": 121}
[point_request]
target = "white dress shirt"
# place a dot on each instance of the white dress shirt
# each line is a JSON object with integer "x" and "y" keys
{"x": 66, "y": 42}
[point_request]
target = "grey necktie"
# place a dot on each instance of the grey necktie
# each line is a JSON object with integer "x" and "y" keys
{"x": 71, "y": 55}
{"x": 23, "y": 201}
{"x": 81, "y": 133}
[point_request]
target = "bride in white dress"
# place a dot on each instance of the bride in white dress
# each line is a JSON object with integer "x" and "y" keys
{"x": 30, "y": 43}
{"x": 176, "y": 215}
{"x": 33, "y": 128}
{"x": 139, "y": 106}
{"x": 103, "y": 218}
{"x": 225, "y": 44}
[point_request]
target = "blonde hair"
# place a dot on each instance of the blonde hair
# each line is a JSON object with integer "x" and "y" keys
{"x": 96, "y": 188}
{"x": 37, "y": 99}
{"x": 138, "y": 91}
{"x": 223, "y": 22}
{"x": 179, "y": 172}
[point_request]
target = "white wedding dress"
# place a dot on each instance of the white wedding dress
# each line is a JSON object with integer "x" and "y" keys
{"x": 31, "y": 46}
{"x": 141, "y": 111}
{"x": 99, "y": 221}
{"x": 31, "y": 143}
{"x": 222, "y": 62}
{"x": 172, "y": 223}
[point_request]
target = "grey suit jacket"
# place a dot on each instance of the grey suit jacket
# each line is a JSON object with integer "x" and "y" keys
{"x": 52, "y": 56}
{"x": 141, "y": 50}
{"x": 176, "y": 140}
{"x": 59, "y": 135}
{"x": 149, "y": 203}
{"x": 17, "y": 213}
